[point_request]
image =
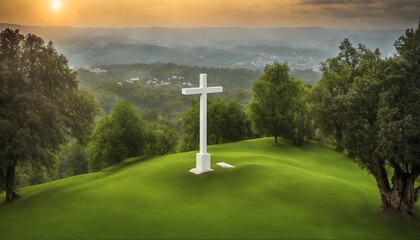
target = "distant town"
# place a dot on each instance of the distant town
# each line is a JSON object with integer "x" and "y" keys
{"x": 172, "y": 80}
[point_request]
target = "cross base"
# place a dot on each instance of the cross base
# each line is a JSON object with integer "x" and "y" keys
{"x": 202, "y": 164}
{"x": 198, "y": 172}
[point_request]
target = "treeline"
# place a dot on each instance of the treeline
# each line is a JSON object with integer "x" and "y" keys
{"x": 366, "y": 105}
{"x": 166, "y": 99}
{"x": 113, "y": 86}
{"x": 228, "y": 77}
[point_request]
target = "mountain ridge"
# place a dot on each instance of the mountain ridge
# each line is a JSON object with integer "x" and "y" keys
{"x": 310, "y": 45}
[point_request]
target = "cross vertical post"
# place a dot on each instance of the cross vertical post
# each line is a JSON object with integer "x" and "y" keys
{"x": 203, "y": 115}
{"x": 203, "y": 163}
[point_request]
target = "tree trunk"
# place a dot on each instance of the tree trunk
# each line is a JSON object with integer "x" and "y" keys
{"x": 339, "y": 138}
{"x": 298, "y": 142}
{"x": 275, "y": 138}
{"x": 402, "y": 197}
{"x": 384, "y": 187}
{"x": 10, "y": 183}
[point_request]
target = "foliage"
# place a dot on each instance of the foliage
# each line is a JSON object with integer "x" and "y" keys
{"x": 308, "y": 76}
{"x": 106, "y": 100}
{"x": 399, "y": 123}
{"x": 40, "y": 108}
{"x": 302, "y": 124}
{"x": 279, "y": 105}
{"x": 165, "y": 99}
{"x": 118, "y": 136}
{"x": 227, "y": 122}
{"x": 190, "y": 127}
{"x": 162, "y": 134}
{"x": 165, "y": 140}
{"x": 380, "y": 120}
{"x": 228, "y": 77}
{"x": 327, "y": 96}
{"x": 27, "y": 175}
{"x": 72, "y": 160}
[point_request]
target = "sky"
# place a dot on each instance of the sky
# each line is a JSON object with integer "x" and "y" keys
{"x": 366, "y": 14}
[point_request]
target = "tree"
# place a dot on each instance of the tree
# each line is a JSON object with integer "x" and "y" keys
{"x": 382, "y": 131}
{"x": 399, "y": 124}
{"x": 118, "y": 136}
{"x": 227, "y": 122}
{"x": 166, "y": 140}
{"x": 327, "y": 96}
{"x": 381, "y": 124}
{"x": 162, "y": 135}
{"x": 40, "y": 105}
{"x": 277, "y": 104}
{"x": 302, "y": 123}
{"x": 190, "y": 127}
{"x": 72, "y": 160}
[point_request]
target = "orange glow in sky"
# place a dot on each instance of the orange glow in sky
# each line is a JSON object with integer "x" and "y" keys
{"x": 213, "y": 13}
{"x": 55, "y": 5}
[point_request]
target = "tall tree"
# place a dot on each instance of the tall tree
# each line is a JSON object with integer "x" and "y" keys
{"x": 40, "y": 105}
{"x": 381, "y": 124}
{"x": 338, "y": 75}
{"x": 399, "y": 124}
{"x": 118, "y": 136}
{"x": 276, "y": 103}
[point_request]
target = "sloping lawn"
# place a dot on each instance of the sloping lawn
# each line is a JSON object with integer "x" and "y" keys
{"x": 274, "y": 192}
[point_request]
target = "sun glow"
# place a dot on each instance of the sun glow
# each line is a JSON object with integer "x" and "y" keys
{"x": 55, "y": 5}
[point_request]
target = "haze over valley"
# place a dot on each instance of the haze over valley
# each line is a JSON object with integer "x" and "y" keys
{"x": 251, "y": 48}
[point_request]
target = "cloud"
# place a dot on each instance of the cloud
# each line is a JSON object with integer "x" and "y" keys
{"x": 365, "y": 13}
{"x": 340, "y": 2}
{"x": 394, "y": 9}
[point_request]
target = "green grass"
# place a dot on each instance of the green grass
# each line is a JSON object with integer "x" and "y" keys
{"x": 274, "y": 192}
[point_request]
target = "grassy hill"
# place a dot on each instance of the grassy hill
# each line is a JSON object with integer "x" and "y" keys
{"x": 273, "y": 192}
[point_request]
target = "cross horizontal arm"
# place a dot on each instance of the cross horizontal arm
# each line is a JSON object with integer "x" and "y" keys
{"x": 192, "y": 91}
{"x": 214, "y": 89}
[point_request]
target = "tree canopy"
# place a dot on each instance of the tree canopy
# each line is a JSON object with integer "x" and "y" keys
{"x": 338, "y": 74}
{"x": 373, "y": 107}
{"x": 227, "y": 122}
{"x": 118, "y": 136}
{"x": 279, "y": 105}
{"x": 41, "y": 106}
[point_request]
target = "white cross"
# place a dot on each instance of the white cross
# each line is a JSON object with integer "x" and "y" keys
{"x": 202, "y": 158}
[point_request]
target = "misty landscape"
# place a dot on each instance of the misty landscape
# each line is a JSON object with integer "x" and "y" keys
{"x": 252, "y": 48}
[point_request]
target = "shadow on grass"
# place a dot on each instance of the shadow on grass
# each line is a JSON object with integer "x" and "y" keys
{"x": 128, "y": 162}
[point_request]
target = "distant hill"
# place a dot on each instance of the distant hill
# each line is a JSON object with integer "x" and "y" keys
{"x": 251, "y": 57}
{"x": 157, "y": 86}
{"x": 302, "y": 48}
{"x": 118, "y": 53}
{"x": 274, "y": 192}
